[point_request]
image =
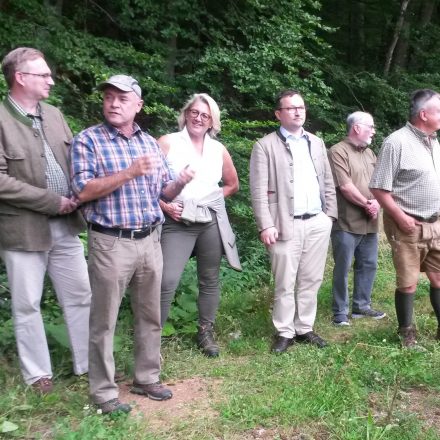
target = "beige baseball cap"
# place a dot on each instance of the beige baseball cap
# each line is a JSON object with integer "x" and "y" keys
{"x": 122, "y": 82}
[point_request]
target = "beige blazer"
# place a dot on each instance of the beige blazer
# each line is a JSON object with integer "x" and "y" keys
{"x": 25, "y": 202}
{"x": 271, "y": 182}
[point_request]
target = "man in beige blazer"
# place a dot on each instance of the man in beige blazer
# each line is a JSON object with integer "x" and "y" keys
{"x": 38, "y": 218}
{"x": 294, "y": 202}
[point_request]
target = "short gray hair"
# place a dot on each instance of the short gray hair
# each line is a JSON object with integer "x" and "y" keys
{"x": 213, "y": 108}
{"x": 417, "y": 101}
{"x": 355, "y": 118}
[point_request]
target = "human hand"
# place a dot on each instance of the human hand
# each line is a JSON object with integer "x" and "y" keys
{"x": 143, "y": 165}
{"x": 186, "y": 175}
{"x": 406, "y": 223}
{"x": 174, "y": 210}
{"x": 269, "y": 236}
{"x": 372, "y": 209}
{"x": 67, "y": 205}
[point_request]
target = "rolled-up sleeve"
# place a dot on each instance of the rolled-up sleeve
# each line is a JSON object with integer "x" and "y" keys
{"x": 83, "y": 163}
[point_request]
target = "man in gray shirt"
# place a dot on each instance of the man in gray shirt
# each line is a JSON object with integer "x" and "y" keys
{"x": 406, "y": 182}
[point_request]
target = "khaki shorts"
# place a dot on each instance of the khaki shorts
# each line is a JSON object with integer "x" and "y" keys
{"x": 413, "y": 253}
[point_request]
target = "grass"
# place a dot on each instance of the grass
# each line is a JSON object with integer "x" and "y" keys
{"x": 361, "y": 387}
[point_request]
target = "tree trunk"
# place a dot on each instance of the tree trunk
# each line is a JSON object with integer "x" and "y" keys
{"x": 396, "y": 34}
{"x": 427, "y": 12}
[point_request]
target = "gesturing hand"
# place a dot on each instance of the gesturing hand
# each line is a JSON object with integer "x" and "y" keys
{"x": 143, "y": 166}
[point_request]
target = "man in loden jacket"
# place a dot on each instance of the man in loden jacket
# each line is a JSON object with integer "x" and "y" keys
{"x": 38, "y": 218}
{"x": 294, "y": 202}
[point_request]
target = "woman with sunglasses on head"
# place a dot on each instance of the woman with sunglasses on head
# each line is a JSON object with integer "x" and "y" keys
{"x": 196, "y": 222}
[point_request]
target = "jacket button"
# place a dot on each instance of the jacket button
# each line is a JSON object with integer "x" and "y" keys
{"x": 291, "y": 181}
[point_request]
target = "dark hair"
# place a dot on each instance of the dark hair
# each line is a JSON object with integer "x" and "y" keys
{"x": 417, "y": 101}
{"x": 284, "y": 94}
{"x": 14, "y": 60}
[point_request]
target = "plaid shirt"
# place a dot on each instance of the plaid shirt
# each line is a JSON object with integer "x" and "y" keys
{"x": 101, "y": 151}
{"x": 55, "y": 178}
{"x": 408, "y": 165}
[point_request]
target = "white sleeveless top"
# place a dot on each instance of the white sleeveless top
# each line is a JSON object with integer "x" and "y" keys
{"x": 208, "y": 167}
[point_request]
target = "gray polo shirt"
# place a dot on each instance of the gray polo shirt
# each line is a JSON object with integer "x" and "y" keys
{"x": 406, "y": 166}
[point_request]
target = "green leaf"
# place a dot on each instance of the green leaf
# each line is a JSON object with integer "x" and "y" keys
{"x": 8, "y": 427}
{"x": 59, "y": 333}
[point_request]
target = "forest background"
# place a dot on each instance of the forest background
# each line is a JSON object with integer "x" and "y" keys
{"x": 343, "y": 56}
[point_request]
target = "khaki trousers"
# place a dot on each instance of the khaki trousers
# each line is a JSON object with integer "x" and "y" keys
{"x": 298, "y": 268}
{"x": 114, "y": 265}
{"x": 67, "y": 269}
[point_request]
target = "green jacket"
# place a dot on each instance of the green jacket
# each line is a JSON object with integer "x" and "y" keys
{"x": 25, "y": 202}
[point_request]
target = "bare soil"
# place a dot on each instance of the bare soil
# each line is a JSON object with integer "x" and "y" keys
{"x": 191, "y": 398}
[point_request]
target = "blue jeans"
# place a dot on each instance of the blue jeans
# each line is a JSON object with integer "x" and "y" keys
{"x": 364, "y": 250}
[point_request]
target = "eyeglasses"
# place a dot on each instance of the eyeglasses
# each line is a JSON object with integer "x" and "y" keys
{"x": 299, "y": 109}
{"x": 371, "y": 127}
{"x": 41, "y": 75}
{"x": 195, "y": 114}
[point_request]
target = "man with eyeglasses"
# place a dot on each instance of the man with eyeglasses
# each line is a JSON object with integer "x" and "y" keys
{"x": 406, "y": 182}
{"x": 355, "y": 233}
{"x": 119, "y": 174}
{"x": 294, "y": 202}
{"x": 39, "y": 222}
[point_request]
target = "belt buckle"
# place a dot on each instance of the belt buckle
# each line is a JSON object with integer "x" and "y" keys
{"x": 133, "y": 232}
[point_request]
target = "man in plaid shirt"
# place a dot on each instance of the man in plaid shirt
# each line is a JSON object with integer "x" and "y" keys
{"x": 119, "y": 174}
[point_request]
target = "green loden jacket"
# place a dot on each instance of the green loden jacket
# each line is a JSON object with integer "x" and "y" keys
{"x": 25, "y": 201}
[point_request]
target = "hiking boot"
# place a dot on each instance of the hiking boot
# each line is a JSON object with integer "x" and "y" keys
{"x": 113, "y": 405}
{"x": 155, "y": 391}
{"x": 408, "y": 339}
{"x": 43, "y": 385}
{"x": 206, "y": 341}
{"x": 368, "y": 313}
{"x": 311, "y": 338}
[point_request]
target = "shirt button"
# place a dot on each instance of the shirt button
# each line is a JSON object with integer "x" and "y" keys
{"x": 142, "y": 192}
{"x": 291, "y": 164}
{"x": 291, "y": 181}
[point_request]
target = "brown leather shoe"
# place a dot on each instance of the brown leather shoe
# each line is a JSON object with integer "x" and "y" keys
{"x": 281, "y": 344}
{"x": 155, "y": 391}
{"x": 43, "y": 385}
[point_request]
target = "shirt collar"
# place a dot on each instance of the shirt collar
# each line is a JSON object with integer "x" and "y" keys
{"x": 420, "y": 133}
{"x": 22, "y": 111}
{"x": 287, "y": 134}
{"x": 113, "y": 131}
{"x": 355, "y": 147}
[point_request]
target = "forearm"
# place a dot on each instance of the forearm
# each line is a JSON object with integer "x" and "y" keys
{"x": 173, "y": 189}
{"x": 387, "y": 202}
{"x": 353, "y": 195}
{"x": 229, "y": 190}
{"x": 103, "y": 186}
